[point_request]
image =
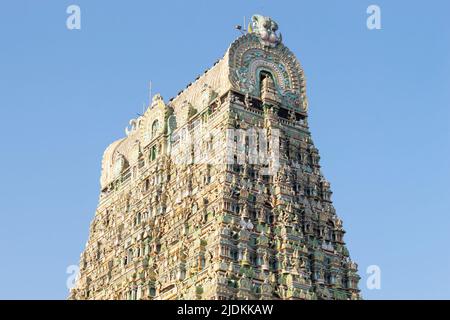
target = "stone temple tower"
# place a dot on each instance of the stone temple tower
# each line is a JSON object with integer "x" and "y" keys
{"x": 218, "y": 194}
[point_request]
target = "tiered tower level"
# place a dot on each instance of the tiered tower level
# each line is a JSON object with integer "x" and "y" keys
{"x": 218, "y": 193}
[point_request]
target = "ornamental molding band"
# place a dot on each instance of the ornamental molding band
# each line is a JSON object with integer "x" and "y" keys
{"x": 182, "y": 216}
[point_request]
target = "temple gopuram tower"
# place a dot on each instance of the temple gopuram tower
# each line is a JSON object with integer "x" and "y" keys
{"x": 218, "y": 194}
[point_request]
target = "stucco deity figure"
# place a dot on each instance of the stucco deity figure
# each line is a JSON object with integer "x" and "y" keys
{"x": 267, "y": 29}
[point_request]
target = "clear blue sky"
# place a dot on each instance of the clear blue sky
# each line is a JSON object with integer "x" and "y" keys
{"x": 379, "y": 114}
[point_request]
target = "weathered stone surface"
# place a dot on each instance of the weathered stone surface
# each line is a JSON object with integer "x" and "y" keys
{"x": 218, "y": 193}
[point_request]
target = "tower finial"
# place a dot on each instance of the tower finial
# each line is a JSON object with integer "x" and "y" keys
{"x": 266, "y": 29}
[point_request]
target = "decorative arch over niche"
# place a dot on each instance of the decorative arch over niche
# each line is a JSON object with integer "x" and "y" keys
{"x": 155, "y": 128}
{"x": 248, "y": 57}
